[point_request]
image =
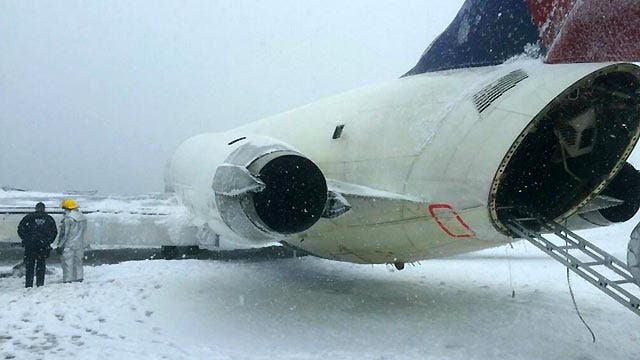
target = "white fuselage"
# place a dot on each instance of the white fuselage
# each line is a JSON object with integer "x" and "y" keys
{"x": 420, "y": 137}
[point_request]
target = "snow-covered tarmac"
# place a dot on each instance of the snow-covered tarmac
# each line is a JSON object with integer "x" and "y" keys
{"x": 309, "y": 308}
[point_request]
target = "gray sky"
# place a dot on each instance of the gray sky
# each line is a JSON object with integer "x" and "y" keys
{"x": 97, "y": 94}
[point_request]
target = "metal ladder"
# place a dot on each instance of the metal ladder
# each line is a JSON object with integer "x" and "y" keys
{"x": 531, "y": 229}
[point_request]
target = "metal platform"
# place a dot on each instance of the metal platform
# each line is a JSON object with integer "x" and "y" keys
{"x": 593, "y": 264}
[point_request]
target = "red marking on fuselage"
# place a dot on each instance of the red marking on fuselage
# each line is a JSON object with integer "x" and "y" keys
{"x": 434, "y": 208}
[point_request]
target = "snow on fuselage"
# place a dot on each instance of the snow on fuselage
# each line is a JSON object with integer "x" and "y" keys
{"x": 447, "y": 138}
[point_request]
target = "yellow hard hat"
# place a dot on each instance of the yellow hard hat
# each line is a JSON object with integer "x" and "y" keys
{"x": 69, "y": 204}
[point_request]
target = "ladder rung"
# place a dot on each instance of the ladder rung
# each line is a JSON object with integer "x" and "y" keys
{"x": 593, "y": 263}
{"x": 597, "y": 257}
{"x": 625, "y": 281}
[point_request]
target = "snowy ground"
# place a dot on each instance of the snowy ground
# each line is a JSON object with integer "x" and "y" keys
{"x": 309, "y": 308}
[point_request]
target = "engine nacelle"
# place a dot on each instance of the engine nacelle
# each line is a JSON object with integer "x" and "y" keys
{"x": 624, "y": 187}
{"x": 258, "y": 187}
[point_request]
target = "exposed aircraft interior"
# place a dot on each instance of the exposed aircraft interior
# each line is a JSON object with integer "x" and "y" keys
{"x": 571, "y": 152}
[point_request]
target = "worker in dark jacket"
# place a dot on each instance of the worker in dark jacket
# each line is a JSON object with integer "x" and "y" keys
{"x": 37, "y": 231}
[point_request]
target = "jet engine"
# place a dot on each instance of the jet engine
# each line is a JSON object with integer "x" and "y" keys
{"x": 260, "y": 188}
{"x": 618, "y": 202}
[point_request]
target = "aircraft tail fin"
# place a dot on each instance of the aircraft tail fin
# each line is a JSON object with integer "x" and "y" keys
{"x": 489, "y": 32}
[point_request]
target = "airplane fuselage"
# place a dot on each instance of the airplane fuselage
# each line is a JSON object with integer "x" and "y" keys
{"x": 440, "y": 140}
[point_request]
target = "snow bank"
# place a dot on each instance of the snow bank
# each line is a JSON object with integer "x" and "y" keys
{"x": 309, "y": 308}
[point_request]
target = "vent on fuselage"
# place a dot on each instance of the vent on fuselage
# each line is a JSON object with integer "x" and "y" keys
{"x": 485, "y": 97}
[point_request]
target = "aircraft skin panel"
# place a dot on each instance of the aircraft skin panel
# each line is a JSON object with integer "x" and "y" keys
{"x": 410, "y": 109}
{"x": 480, "y": 142}
{"x": 391, "y": 173}
{"x": 469, "y": 147}
{"x": 304, "y": 128}
{"x": 407, "y": 240}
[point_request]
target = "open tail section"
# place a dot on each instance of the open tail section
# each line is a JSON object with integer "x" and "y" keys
{"x": 489, "y": 32}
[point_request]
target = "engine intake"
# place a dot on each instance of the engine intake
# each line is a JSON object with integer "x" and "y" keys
{"x": 265, "y": 191}
{"x": 294, "y": 195}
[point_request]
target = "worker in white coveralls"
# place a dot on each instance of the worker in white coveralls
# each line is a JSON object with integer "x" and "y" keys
{"x": 633, "y": 253}
{"x": 71, "y": 241}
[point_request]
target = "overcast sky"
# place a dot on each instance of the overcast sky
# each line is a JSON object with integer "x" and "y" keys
{"x": 98, "y": 94}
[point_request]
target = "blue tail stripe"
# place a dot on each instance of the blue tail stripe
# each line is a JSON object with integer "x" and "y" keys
{"x": 485, "y": 32}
